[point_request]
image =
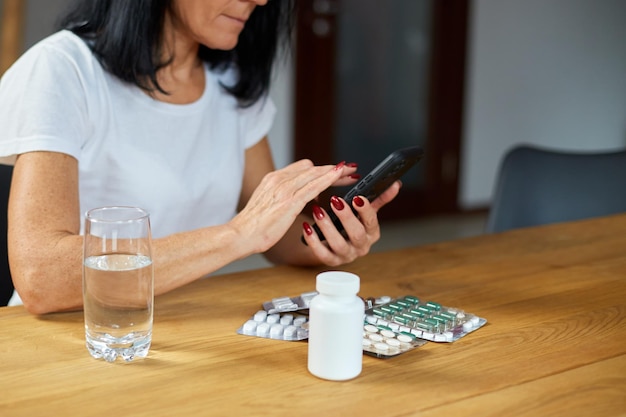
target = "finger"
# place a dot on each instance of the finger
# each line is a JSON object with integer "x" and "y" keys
{"x": 367, "y": 218}
{"x": 386, "y": 196}
{"x": 319, "y": 248}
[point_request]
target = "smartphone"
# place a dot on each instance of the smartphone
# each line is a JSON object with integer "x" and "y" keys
{"x": 377, "y": 181}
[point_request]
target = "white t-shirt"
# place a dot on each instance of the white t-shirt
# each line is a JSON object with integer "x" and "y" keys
{"x": 182, "y": 163}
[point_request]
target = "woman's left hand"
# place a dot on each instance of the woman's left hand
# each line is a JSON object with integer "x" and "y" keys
{"x": 362, "y": 231}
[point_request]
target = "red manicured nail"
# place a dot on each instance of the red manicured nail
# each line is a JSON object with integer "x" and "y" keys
{"x": 355, "y": 176}
{"x": 358, "y": 201}
{"x": 340, "y": 165}
{"x": 352, "y": 165}
{"x": 337, "y": 203}
{"x": 307, "y": 228}
{"x": 318, "y": 213}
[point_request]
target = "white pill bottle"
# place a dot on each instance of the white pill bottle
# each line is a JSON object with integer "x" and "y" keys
{"x": 336, "y": 327}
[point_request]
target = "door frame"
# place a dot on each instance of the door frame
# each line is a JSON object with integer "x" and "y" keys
{"x": 315, "y": 109}
{"x": 11, "y": 32}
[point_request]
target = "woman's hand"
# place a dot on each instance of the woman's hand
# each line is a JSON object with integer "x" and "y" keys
{"x": 362, "y": 231}
{"x": 280, "y": 197}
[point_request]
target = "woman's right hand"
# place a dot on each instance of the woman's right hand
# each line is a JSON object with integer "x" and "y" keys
{"x": 280, "y": 197}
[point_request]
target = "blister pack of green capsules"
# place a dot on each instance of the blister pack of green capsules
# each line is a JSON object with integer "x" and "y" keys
{"x": 426, "y": 320}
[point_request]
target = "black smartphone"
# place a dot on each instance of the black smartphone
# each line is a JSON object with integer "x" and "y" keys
{"x": 378, "y": 180}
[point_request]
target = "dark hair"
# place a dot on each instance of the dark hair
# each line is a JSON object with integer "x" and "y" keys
{"x": 125, "y": 36}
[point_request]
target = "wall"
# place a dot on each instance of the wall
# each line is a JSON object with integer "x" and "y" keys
{"x": 551, "y": 73}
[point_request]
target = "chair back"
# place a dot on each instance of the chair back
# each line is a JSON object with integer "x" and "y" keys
{"x": 6, "y": 283}
{"x": 538, "y": 186}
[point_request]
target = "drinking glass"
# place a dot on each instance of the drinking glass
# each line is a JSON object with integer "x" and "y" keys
{"x": 118, "y": 283}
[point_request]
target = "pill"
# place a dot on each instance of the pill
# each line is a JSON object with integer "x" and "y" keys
{"x": 387, "y": 333}
{"x": 467, "y": 326}
{"x": 384, "y": 299}
{"x": 302, "y": 333}
{"x": 375, "y": 337}
{"x": 393, "y": 342}
{"x": 276, "y": 331}
{"x": 249, "y": 327}
{"x": 290, "y": 332}
{"x": 405, "y": 338}
{"x": 380, "y": 327}
{"x": 433, "y": 305}
{"x": 411, "y": 299}
{"x": 273, "y": 318}
{"x": 284, "y": 304}
{"x": 367, "y": 343}
{"x": 440, "y": 338}
{"x": 370, "y": 328}
{"x": 381, "y": 346}
{"x": 286, "y": 319}
{"x": 299, "y": 321}
{"x": 260, "y": 315}
{"x": 262, "y": 329}
{"x": 394, "y": 326}
{"x": 403, "y": 303}
{"x": 371, "y": 319}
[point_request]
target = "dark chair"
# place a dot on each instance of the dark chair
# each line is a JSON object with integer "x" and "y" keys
{"x": 537, "y": 186}
{"x": 6, "y": 283}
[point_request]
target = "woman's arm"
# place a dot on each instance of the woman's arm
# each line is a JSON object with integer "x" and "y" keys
{"x": 45, "y": 249}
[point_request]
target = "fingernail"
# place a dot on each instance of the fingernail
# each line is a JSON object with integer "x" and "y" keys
{"x": 358, "y": 201}
{"x": 340, "y": 165}
{"x": 355, "y": 176}
{"x": 352, "y": 165}
{"x": 337, "y": 203}
{"x": 317, "y": 212}
{"x": 307, "y": 228}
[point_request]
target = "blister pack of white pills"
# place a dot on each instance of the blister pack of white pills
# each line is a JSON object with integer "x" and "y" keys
{"x": 278, "y": 326}
{"x": 287, "y": 304}
{"x": 424, "y": 319}
{"x": 382, "y": 342}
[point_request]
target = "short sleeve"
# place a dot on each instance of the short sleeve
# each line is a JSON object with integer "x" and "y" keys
{"x": 43, "y": 106}
{"x": 257, "y": 120}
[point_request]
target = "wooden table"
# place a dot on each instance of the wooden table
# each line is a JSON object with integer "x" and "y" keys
{"x": 554, "y": 344}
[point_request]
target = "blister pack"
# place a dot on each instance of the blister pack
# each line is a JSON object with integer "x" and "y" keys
{"x": 286, "y": 304}
{"x": 382, "y": 342}
{"x": 427, "y": 320}
{"x": 277, "y": 326}
{"x": 391, "y": 326}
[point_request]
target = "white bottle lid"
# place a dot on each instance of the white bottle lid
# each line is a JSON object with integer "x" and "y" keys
{"x": 337, "y": 283}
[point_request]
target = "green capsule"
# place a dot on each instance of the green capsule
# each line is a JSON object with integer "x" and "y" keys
{"x": 433, "y": 305}
{"x": 395, "y": 307}
{"x": 412, "y": 300}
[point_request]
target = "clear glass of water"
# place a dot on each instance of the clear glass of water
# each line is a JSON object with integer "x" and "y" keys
{"x": 118, "y": 283}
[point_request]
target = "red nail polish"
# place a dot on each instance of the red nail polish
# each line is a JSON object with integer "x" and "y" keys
{"x": 337, "y": 203}
{"x": 358, "y": 201}
{"x": 307, "y": 228}
{"x": 355, "y": 176}
{"x": 352, "y": 165}
{"x": 318, "y": 213}
{"x": 340, "y": 165}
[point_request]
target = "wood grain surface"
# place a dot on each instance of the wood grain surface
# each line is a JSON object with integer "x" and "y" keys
{"x": 554, "y": 345}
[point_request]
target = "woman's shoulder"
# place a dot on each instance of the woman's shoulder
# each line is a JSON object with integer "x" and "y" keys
{"x": 63, "y": 43}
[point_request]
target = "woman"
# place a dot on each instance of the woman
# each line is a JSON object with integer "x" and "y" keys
{"x": 161, "y": 104}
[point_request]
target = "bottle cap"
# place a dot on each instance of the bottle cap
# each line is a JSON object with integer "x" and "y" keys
{"x": 337, "y": 283}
